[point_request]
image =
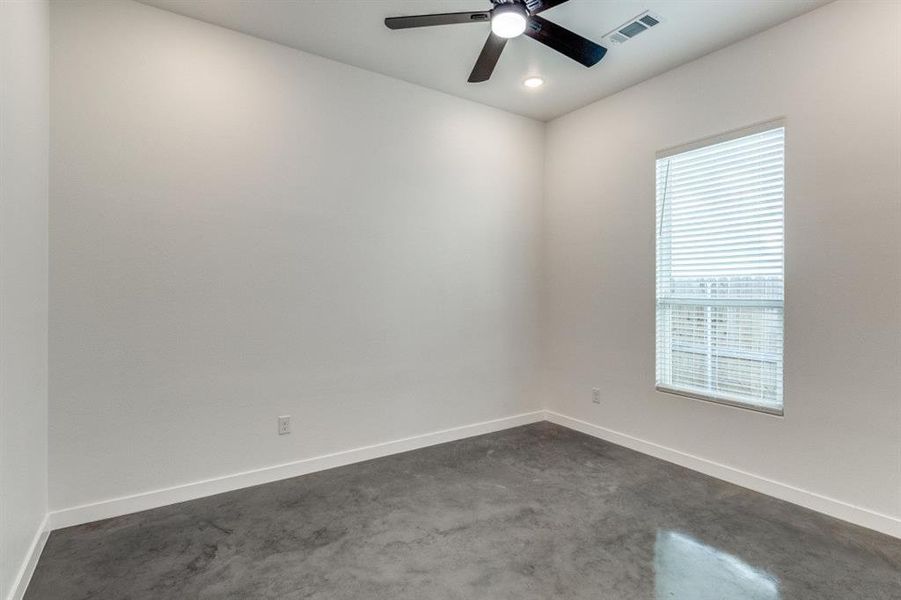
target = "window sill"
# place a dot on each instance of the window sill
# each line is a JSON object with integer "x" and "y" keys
{"x": 776, "y": 412}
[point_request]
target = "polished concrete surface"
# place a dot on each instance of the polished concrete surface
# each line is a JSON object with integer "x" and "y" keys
{"x": 536, "y": 512}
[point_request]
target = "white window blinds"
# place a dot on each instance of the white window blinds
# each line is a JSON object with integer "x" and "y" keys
{"x": 720, "y": 270}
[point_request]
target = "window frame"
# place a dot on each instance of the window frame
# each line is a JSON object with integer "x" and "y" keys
{"x": 730, "y": 135}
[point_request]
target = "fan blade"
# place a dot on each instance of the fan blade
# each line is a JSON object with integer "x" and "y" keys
{"x": 564, "y": 41}
{"x": 491, "y": 52}
{"x": 437, "y": 19}
{"x": 537, "y": 6}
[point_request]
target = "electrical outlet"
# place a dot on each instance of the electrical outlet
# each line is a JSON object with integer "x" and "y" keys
{"x": 284, "y": 425}
{"x": 596, "y": 395}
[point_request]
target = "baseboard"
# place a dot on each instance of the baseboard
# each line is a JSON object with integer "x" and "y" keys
{"x": 115, "y": 507}
{"x": 153, "y": 499}
{"x": 23, "y": 577}
{"x": 823, "y": 504}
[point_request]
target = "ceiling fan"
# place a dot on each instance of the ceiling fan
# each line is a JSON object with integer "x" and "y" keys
{"x": 510, "y": 18}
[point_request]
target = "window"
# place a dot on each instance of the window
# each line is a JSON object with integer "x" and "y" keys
{"x": 720, "y": 269}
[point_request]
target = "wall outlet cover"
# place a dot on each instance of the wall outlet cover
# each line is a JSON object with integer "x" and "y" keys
{"x": 284, "y": 425}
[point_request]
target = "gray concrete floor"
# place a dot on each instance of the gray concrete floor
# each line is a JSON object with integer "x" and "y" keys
{"x": 534, "y": 512}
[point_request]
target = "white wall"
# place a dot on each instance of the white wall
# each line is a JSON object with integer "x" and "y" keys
{"x": 240, "y": 230}
{"x": 840, "y": 95}
{"x": 24, "y": 39}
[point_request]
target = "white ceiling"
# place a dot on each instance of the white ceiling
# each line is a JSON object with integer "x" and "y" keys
{"x": 353, "y": 32}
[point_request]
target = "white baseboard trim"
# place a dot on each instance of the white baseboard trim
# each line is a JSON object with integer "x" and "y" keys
{"x": 23, "y": 577}
{"x": 115, "y": 507}
{"x": 817, "y": 502}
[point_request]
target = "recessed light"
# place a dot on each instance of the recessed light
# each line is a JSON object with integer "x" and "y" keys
{"x": 533, "y": 82}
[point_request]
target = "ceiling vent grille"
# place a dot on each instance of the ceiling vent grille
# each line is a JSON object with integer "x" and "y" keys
{"x": 633, "y": 27}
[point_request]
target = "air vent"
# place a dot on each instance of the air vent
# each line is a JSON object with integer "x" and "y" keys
{"x": 633, "y": 27}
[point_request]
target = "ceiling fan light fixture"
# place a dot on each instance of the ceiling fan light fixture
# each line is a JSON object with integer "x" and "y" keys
{"x": 508, "y": 20}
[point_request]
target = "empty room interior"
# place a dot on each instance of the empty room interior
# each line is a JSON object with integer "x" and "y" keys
{"x": 450, "y": 299}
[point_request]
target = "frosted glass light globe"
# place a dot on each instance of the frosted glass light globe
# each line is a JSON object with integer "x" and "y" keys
{"x": 508, "y": 20}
